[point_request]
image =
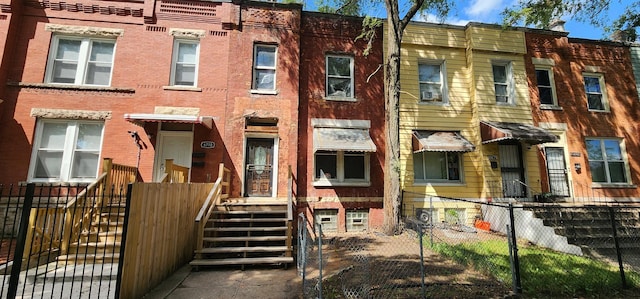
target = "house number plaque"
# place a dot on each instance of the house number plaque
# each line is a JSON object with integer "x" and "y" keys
{"x": 207, "y": 144}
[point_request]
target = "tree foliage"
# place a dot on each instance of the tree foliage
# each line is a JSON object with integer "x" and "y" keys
{"x": 540, "y": 13}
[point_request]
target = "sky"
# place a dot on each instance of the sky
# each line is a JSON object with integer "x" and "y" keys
{"x": 488, "y": 11}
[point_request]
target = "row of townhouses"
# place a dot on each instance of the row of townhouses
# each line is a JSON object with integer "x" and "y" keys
{"x": 486, "y": 113}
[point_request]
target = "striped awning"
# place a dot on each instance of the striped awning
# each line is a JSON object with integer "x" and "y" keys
{"x": 342, "y": 139}
{"x": 142, "y": 118}
{"x": 440, "y": 141}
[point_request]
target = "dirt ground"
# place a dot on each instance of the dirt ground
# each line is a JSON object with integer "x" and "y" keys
{"x": 374, "y": 265}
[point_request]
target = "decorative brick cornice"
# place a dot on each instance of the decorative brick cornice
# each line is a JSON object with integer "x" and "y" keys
{"x": 85, "y": 8}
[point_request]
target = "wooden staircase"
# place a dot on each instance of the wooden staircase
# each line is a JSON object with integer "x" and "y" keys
{"x": 246, "y": 233}
{"x": 100, "y": 242}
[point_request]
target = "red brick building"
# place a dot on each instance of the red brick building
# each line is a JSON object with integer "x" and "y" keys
{"x": 196, "y": 81}
{"x": 341, "y": 127}
{"x": 584, "y": 92}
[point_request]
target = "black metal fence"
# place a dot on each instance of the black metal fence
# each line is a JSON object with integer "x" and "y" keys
{"x": 54, "y": 245}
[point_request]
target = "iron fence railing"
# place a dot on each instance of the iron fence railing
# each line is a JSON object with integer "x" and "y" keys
{"x": 37, "y": 261}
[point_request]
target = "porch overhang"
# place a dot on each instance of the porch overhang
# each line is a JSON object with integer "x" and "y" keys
{"x": 440, "y": 141}
{"x": 141, "y": 119}
{"x": 342, "y": 139}
{"x": 499, "y": 131}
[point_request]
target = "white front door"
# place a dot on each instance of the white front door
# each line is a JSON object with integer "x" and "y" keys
{"x": 172, "y": 145}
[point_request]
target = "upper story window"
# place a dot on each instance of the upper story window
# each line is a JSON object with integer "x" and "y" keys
{"x": 66, "y": 150}
{"x": 596, "y": 98}
{"x": 606, "y": 160}
{"x": 443, "y": 167}
{"x": 80, "y": 61}
{"x": 503, "y": 82}
{"x": 431, "y": 77}
{"x": 339, "y": 71}
{"x": 546, "y": 87}
{"x": 184, "y": 64}
{"x": 264, "y": 67}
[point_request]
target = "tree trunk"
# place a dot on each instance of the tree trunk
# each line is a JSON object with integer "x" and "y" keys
{"x": 392, "y": 199}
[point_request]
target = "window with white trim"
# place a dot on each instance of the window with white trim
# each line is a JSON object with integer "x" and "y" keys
{"x": 546, "y": 86}
{"x": 593, "y": 86}
{"x": 503, "y": 82}
{"x": 184, "y": 63}
{"x": 606, "y": 160}
{"x": 431, "y": 77}
{"x": 264, "y": 67}
{"x": 66, "y": 150}
{"x": 80, "y": 61}
{"x": 443, "y": 167}
{"x": 339, "y": 72}
{"x": 341, "y": 167}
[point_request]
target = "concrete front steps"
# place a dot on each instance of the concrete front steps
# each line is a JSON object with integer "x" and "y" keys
{"x": 246, "y": 233}
{"x": 591, "y": 228}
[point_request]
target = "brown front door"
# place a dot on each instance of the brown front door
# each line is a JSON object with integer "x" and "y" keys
{"x": 259, "y": 167}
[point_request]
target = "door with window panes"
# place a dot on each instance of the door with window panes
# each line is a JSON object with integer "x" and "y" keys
{"x": 259, "y": 167}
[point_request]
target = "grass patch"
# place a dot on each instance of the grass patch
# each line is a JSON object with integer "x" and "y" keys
{"x": 542, "y": 271}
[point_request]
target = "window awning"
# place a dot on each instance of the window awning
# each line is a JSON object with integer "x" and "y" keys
{"x": 342, "y": 139}
{"x": 440, "y": 141}
{"x": 498, "y": 131}
{"x": 141, "y": 118}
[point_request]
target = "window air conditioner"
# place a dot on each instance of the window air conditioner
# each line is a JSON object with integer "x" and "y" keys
{"x": 427, "y": 96}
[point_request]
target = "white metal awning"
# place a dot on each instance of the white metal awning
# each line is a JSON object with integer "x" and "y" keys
{"x": 342, "y": 139}
{"x": 141, "y": 118}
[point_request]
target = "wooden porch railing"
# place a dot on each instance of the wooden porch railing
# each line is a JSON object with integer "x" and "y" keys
{"x": 44, "y": 233}
{"x": 290, "y": 211}
{"x": 174, "y": 173}
{"x": 219, "y": 191}
{"x": 87, "y": 205}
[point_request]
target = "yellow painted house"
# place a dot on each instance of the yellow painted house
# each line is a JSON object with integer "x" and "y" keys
{"x": 466, "y": 129}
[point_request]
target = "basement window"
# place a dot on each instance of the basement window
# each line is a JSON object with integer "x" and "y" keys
{"x": 357, "y": 221}
{"x": 328, "y": 219}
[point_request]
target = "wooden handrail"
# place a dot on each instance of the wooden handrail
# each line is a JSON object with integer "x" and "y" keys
{"x": 219, "y": 191}
{"x": 290, "y": 195}
{"x": 174, "y": 173}
{"x": 78, "y": 214}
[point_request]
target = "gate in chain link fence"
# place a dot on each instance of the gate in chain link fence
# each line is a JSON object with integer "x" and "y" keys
{"x": 374, "y": 265}
{"x": 537, "y": 248}
{"x": 60, "y": 241}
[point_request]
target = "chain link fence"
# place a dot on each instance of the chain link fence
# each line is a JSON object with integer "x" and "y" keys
{"x": 374, "y": 265}
{"x": 459, "y": 248}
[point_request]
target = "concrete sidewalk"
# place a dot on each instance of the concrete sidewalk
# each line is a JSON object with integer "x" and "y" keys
{"x": 230, "y": 283}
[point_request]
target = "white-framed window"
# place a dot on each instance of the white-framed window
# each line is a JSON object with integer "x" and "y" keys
{"x": 339, "y": 71}
{"x": 184, "y": 63}
{"x": 66, "y": 150}
{"x": 546, "y": 86}
{"x": 432, "y": 80}
{"x": 437, "y": 167}
{"x": 341, "y": 167}
{"x": 607, "y": 160}
{"x": 503, "y": 82}
{"x": 264, "y": 67}
{"x": 593, "y": 86}
{"x": 80, "y": 61}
